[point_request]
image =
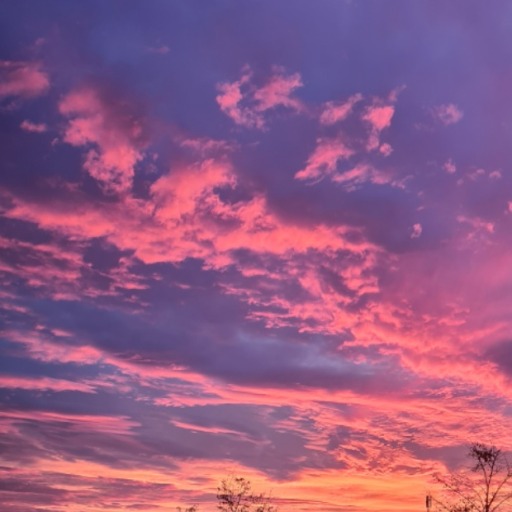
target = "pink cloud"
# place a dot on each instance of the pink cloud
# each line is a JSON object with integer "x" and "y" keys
{"x": 184, "y": 217}
{"x": 335, "y": 112}
{"x": 43, "y": 384}
{"x": 447, "y": 114}
{"x": 60, "y": 273}
{"x": 450, "y": 167}
{"x": 324, "y": 159}
{"x": 429, "y": 315}
{"x": 278, "y": 92}
{"x": 478, "y": 227}
{"x": 416, "y": 231}
{"x": 372, "y": 437}
{"x": 44, "y": 267}
{"x": 41, "y": 346}
{"x": 445, "y": 303}
{"x": 204, "y": 226}
{"x": 178, "y": 194}
{"x": 77, "y": 422}
{"x": 116, "y": 139}
{"x": 245, "y": 103}
{"x": 329, "y": 152}
{"x": 228, "y": 99}
{"x": 379, "y": 118}
{"x": 362, "y": 413}
{"x": 386, "y": 149}
{"x": 361, "y": 173}
{"x": 22, "y": 79}
{"x": 31, "y": 127}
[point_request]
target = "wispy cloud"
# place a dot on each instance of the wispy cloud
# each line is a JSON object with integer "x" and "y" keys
{"x": 333, "y": 112}
{"x": 22, "y": 79}
{"x": 245, "y": 103}
{"x": 31, "y": 127}
{"x": 447, "y": 114}
{"x": 324, "y": 159}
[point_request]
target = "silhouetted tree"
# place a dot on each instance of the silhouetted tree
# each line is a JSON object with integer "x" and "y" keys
{"x": 485, "y": 487}
{"x": 235, "y": 495}
{"x": 193, "y": 508}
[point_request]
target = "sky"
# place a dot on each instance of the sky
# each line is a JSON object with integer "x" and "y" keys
{"x": 263, "y": 239}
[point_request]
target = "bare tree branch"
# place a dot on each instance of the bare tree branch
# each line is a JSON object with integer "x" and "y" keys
{"x": 486, "y": 488}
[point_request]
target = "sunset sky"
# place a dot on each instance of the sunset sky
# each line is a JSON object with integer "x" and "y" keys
{"x": 261, "y": 238}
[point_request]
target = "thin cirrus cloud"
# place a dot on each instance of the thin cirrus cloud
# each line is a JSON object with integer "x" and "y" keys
{"x": 378, "y": 116}
{"x": 261, "y": 270}
{"x": 47, "y": 384}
